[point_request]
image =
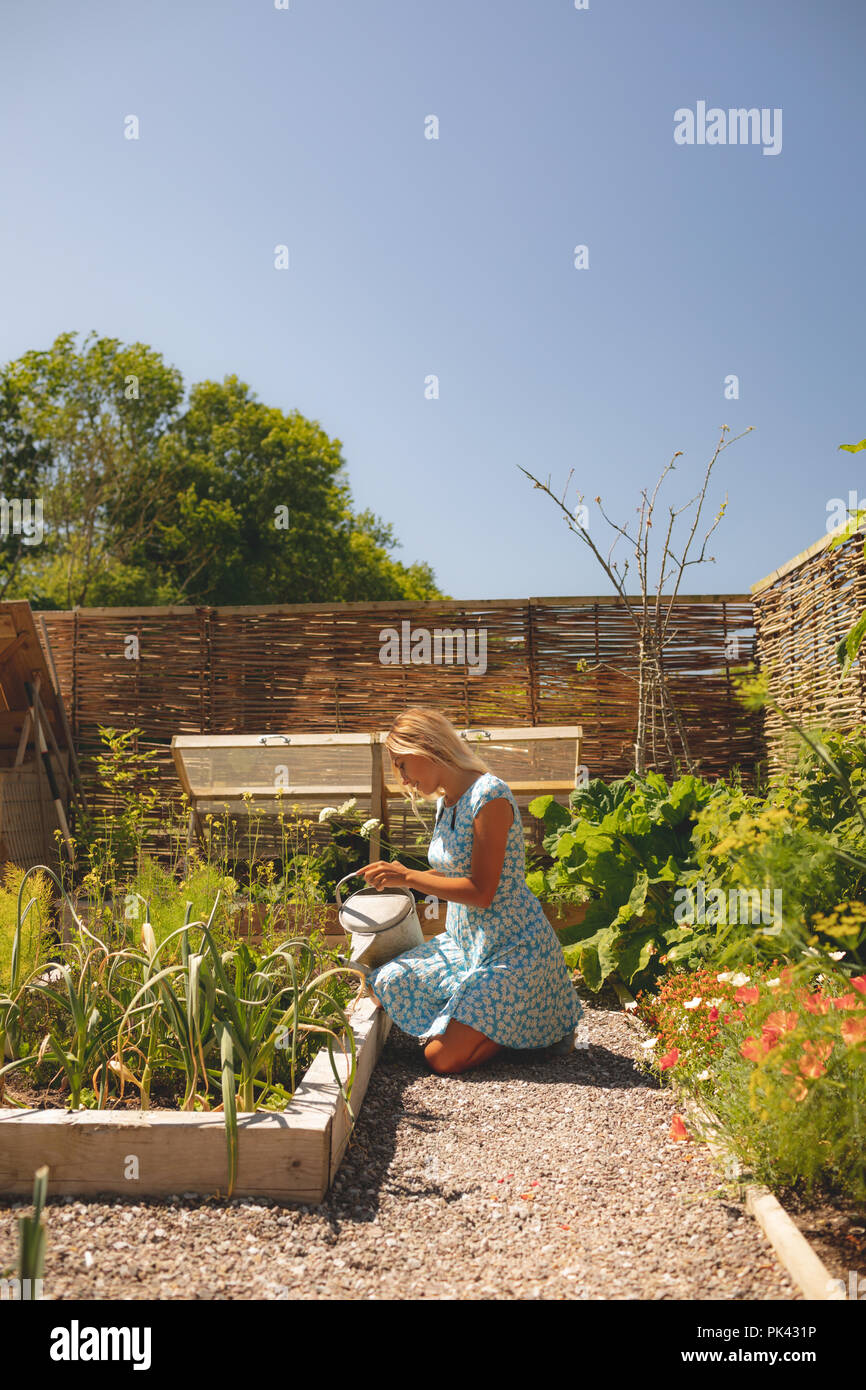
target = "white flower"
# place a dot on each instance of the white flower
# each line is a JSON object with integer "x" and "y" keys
{"x": 369, "y": 826}
{"x": 631, "y": 1005}
{"x": 774, "y": 984}
{"x": 837, "y": 955}
{"x": 650, "y": 1044}
{"x": 703, "y": 1076}
{"x": 714, "y": 1003}
{"x": 327, "y": 812}
{"x": 739, "y": 979}
{"x": 348, "y": 806}
{"x": 692, "y": 1003}
{"x": 725, "y": 979}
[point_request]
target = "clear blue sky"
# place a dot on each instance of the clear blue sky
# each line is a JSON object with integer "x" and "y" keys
{"x": 454, "y": 256}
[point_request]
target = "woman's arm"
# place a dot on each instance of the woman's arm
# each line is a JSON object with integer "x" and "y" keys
{"x": 490, "y": 835}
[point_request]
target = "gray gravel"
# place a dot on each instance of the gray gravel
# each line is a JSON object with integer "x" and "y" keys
{"x": 532, "y": 1177}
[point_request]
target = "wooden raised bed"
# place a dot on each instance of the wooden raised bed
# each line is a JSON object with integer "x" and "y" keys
{"x": 291, "y": 1155}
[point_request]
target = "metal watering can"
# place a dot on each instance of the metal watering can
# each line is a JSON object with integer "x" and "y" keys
{"x": 381, "y": 925}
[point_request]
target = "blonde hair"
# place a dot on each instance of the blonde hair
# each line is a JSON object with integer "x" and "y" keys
{"x": 428, "y": 733}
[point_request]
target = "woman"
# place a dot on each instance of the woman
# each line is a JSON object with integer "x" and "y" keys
{"x": 496, "y": 976}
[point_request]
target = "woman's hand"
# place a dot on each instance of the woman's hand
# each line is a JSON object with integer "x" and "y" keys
{"x": 383, "y": 874}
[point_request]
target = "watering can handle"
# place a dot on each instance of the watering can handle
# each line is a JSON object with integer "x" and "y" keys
{"x": 357, "y": 874}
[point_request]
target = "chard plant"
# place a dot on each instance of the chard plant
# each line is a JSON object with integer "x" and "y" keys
{"x": 627, "y": 843}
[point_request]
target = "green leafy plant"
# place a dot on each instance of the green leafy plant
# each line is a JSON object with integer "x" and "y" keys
{"x": 776, "y": 869}
{"x": 35, "y": 935}
{"x": 112, "y": 837}
{"x": 627, "y": 843}
{"x": 25, "y": 950}
{"x": 169, "y": 902}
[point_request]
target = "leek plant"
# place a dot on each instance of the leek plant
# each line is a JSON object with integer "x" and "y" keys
{"x": 85, "y": 1052}
{"x": 31, "y": 1237}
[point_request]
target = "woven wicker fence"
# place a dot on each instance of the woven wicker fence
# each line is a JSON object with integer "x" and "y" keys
{"x": 315, "y": 668}
{"x": 802, "y": 610}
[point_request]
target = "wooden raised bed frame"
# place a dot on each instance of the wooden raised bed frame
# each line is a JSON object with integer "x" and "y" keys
{"x": 290, "y": 1155}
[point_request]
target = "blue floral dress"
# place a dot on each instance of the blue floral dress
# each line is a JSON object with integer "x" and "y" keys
{"x": 501, "y": 968}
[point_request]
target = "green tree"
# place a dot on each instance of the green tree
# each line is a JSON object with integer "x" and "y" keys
{"x": 225, "y": 501}
{"x": 22, "y": 467}
{"x": 264, "y": 511}
{"x": 97, "y": 416}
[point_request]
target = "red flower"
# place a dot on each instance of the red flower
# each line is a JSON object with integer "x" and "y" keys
{"x": 814, "y": 1056}
{"x": 670, "y": 1059}
{"x": 854, "y": 1030}
{"x": 780, "y": 1021}
{"x": 859, "y": 982}
{"x": 747, "y": 994}
{"x": 799, "y": 1090}
{"x": 678, "y": 1129}
{"x": 753, "y": 1050}
{"x": 815, "y": 1003}
{"x": 713, "y": 1014}
{"x": 846, "y": 1001}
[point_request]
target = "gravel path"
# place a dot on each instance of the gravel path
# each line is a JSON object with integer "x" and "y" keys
{"x": 533, "y": 1177}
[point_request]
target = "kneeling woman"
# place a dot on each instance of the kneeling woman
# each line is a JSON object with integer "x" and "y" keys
{"x": 496, "y": 976}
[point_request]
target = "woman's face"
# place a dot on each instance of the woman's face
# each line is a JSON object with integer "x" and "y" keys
{"x": 418, "y": 771}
